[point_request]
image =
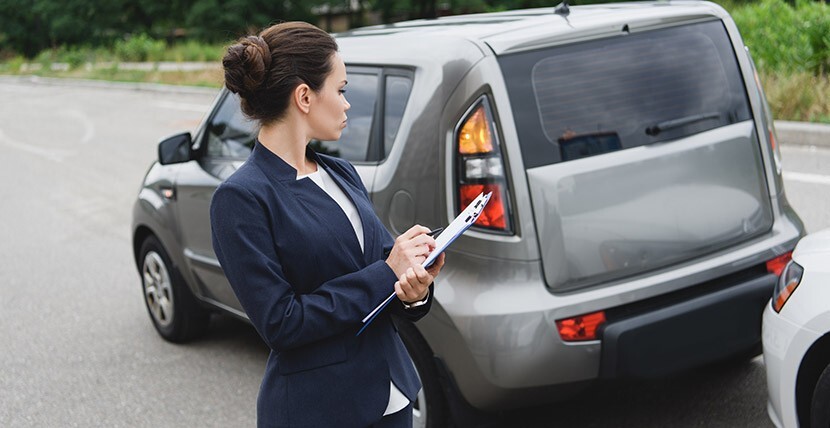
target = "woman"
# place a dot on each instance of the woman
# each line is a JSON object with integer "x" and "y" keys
{"x": 304, "y": 252}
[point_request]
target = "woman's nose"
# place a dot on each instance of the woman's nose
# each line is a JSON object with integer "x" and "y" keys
{"x": 348, "y": 106}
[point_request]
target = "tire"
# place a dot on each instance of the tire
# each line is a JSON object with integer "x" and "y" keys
{"x": 430, "y": 408}
{"x": 174, "y": 311}
{"x": 820, "y": 406}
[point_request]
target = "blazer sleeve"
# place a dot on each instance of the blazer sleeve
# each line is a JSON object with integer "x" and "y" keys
{"x": 242, "y": 242}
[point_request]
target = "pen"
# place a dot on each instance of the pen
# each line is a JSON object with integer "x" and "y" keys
{"x": 434, "y": 232}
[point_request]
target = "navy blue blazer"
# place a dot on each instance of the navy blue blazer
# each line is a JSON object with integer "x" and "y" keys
{"x": 294, "y": 262}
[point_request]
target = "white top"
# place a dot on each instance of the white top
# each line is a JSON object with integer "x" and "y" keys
{"x": 397, "y": 401}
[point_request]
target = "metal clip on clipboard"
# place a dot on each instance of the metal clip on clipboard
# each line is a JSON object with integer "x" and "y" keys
{"x": 458, "y": 226}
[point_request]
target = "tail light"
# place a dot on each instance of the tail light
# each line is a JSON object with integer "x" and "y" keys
{"x": 777, "y": 265}
{"x": 580, "y": 328}
{"x": 786, "y": 285}
{"x": 481, "y": 168}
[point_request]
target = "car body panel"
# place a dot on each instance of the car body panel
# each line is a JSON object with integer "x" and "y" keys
{"x": 623, "y": 213}
{"x": 804, "y": 319}
{"x": 598, "y": 21}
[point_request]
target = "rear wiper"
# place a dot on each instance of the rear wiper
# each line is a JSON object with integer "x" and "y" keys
{"x": 676, "y": 123}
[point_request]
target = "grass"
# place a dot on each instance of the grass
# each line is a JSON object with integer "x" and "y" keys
{"x": 798, "y": 96}
{"x": 211, "y": 78}
{"x": 140, "y": 48}
{"x": 86, "y": 62}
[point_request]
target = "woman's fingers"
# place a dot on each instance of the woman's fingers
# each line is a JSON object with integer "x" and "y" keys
{"x": 411, "y": 249}
{"x": 421, "y": 274}
{"x": 414, "y": 231}
{"x": 418, "y": 248}
{"x": 436, "y": 266}
{"x": 413, "y": 284}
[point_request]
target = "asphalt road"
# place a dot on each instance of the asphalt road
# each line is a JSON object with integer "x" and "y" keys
{"x": 79, "y": 350}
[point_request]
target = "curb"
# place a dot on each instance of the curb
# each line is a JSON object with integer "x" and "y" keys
{"x": 802, "y": 133}
{"x": 101, "y": 84}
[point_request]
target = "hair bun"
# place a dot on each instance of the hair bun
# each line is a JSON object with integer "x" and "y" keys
{"x": 246, "y": 65}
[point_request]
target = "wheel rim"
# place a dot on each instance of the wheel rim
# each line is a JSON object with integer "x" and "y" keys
{"x": 419, "y": 407}
{"x": 158, "y": 289}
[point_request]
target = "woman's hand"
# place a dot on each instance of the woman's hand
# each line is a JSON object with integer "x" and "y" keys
{"x": 413, "y": 285}
{"x": 436, "y": 266}
{"x": 410, "y": 250}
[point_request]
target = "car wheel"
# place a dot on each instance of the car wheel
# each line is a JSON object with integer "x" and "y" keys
{"x": 174, "y": 311}
{"x": 430, "y": 407}
{"x": 820, "y": 407}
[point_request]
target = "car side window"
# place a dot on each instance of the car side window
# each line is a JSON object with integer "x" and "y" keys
{"x": 230, "y": 134}
{"x": 354, "y": 144}
{"x": 395, "y": 98}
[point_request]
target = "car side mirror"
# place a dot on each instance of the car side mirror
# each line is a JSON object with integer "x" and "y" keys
{"x": 175, "y": 149}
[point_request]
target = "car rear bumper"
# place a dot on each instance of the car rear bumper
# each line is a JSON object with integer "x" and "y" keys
{"x": 686, "y": 334}
{"x": 501, "y": 348}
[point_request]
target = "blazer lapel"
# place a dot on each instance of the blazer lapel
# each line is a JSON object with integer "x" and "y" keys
{"x": 322, "y": 207}
{"x": 364, "y": 209}
{"x": 311, "y": 197}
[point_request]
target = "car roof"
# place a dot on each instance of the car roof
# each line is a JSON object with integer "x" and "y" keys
{"x": 517, "y": 30}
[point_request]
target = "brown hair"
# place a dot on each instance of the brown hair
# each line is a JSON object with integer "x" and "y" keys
{"x": 265, "y": 69}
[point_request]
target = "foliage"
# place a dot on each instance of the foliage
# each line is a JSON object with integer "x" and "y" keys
{"x": 789, "y": 39}
{"x": 13, "y": 65}
{"x": 75, "y": 57}
{"x": 798, "y": 96}
{"x": 140, "y": 48}
{"x": 786, "y": 38}
{"x": 816, "y": 21}
{"x": 30, "y": 26}
{"x": 192, "y": 50}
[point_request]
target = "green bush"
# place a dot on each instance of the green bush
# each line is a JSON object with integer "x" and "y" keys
{"x": 785, "y": 38}
{"x": 13, "y": 65}
{"x": 45, "y": 59}
{"x": 140, "y": 48}
{"x": 193, "y": 50}
{"x": 73, "y": 56}
{"x": 816, "y": 23}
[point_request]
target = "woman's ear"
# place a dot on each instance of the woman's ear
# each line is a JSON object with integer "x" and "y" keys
{"x": 302, "y": 97}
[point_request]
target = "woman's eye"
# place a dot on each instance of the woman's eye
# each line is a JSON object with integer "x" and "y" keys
{"x": 342, "y": 91}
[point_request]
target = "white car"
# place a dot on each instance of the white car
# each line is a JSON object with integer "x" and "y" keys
{"x": 796, "y": 338}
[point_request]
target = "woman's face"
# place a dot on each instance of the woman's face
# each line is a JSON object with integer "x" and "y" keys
{"x": 327, "y": 116}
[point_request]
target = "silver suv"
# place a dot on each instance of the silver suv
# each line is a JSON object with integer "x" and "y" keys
{"x": 638, "y": 220}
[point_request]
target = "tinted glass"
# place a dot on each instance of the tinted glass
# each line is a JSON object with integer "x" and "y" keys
{"x": 362, "y": 93}
{"x": 230, "y": 134}
{"x": 397, "y": 93}
{"x": 611, "y": 94}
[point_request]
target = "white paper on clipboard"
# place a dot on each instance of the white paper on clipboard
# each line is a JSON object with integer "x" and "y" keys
{"x": 450, "y": 233}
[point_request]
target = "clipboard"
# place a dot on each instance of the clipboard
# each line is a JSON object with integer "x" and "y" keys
{"x": 457, "y": 228}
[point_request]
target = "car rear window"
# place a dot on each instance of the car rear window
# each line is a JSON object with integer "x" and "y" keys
{"x": 604, "y": 95}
